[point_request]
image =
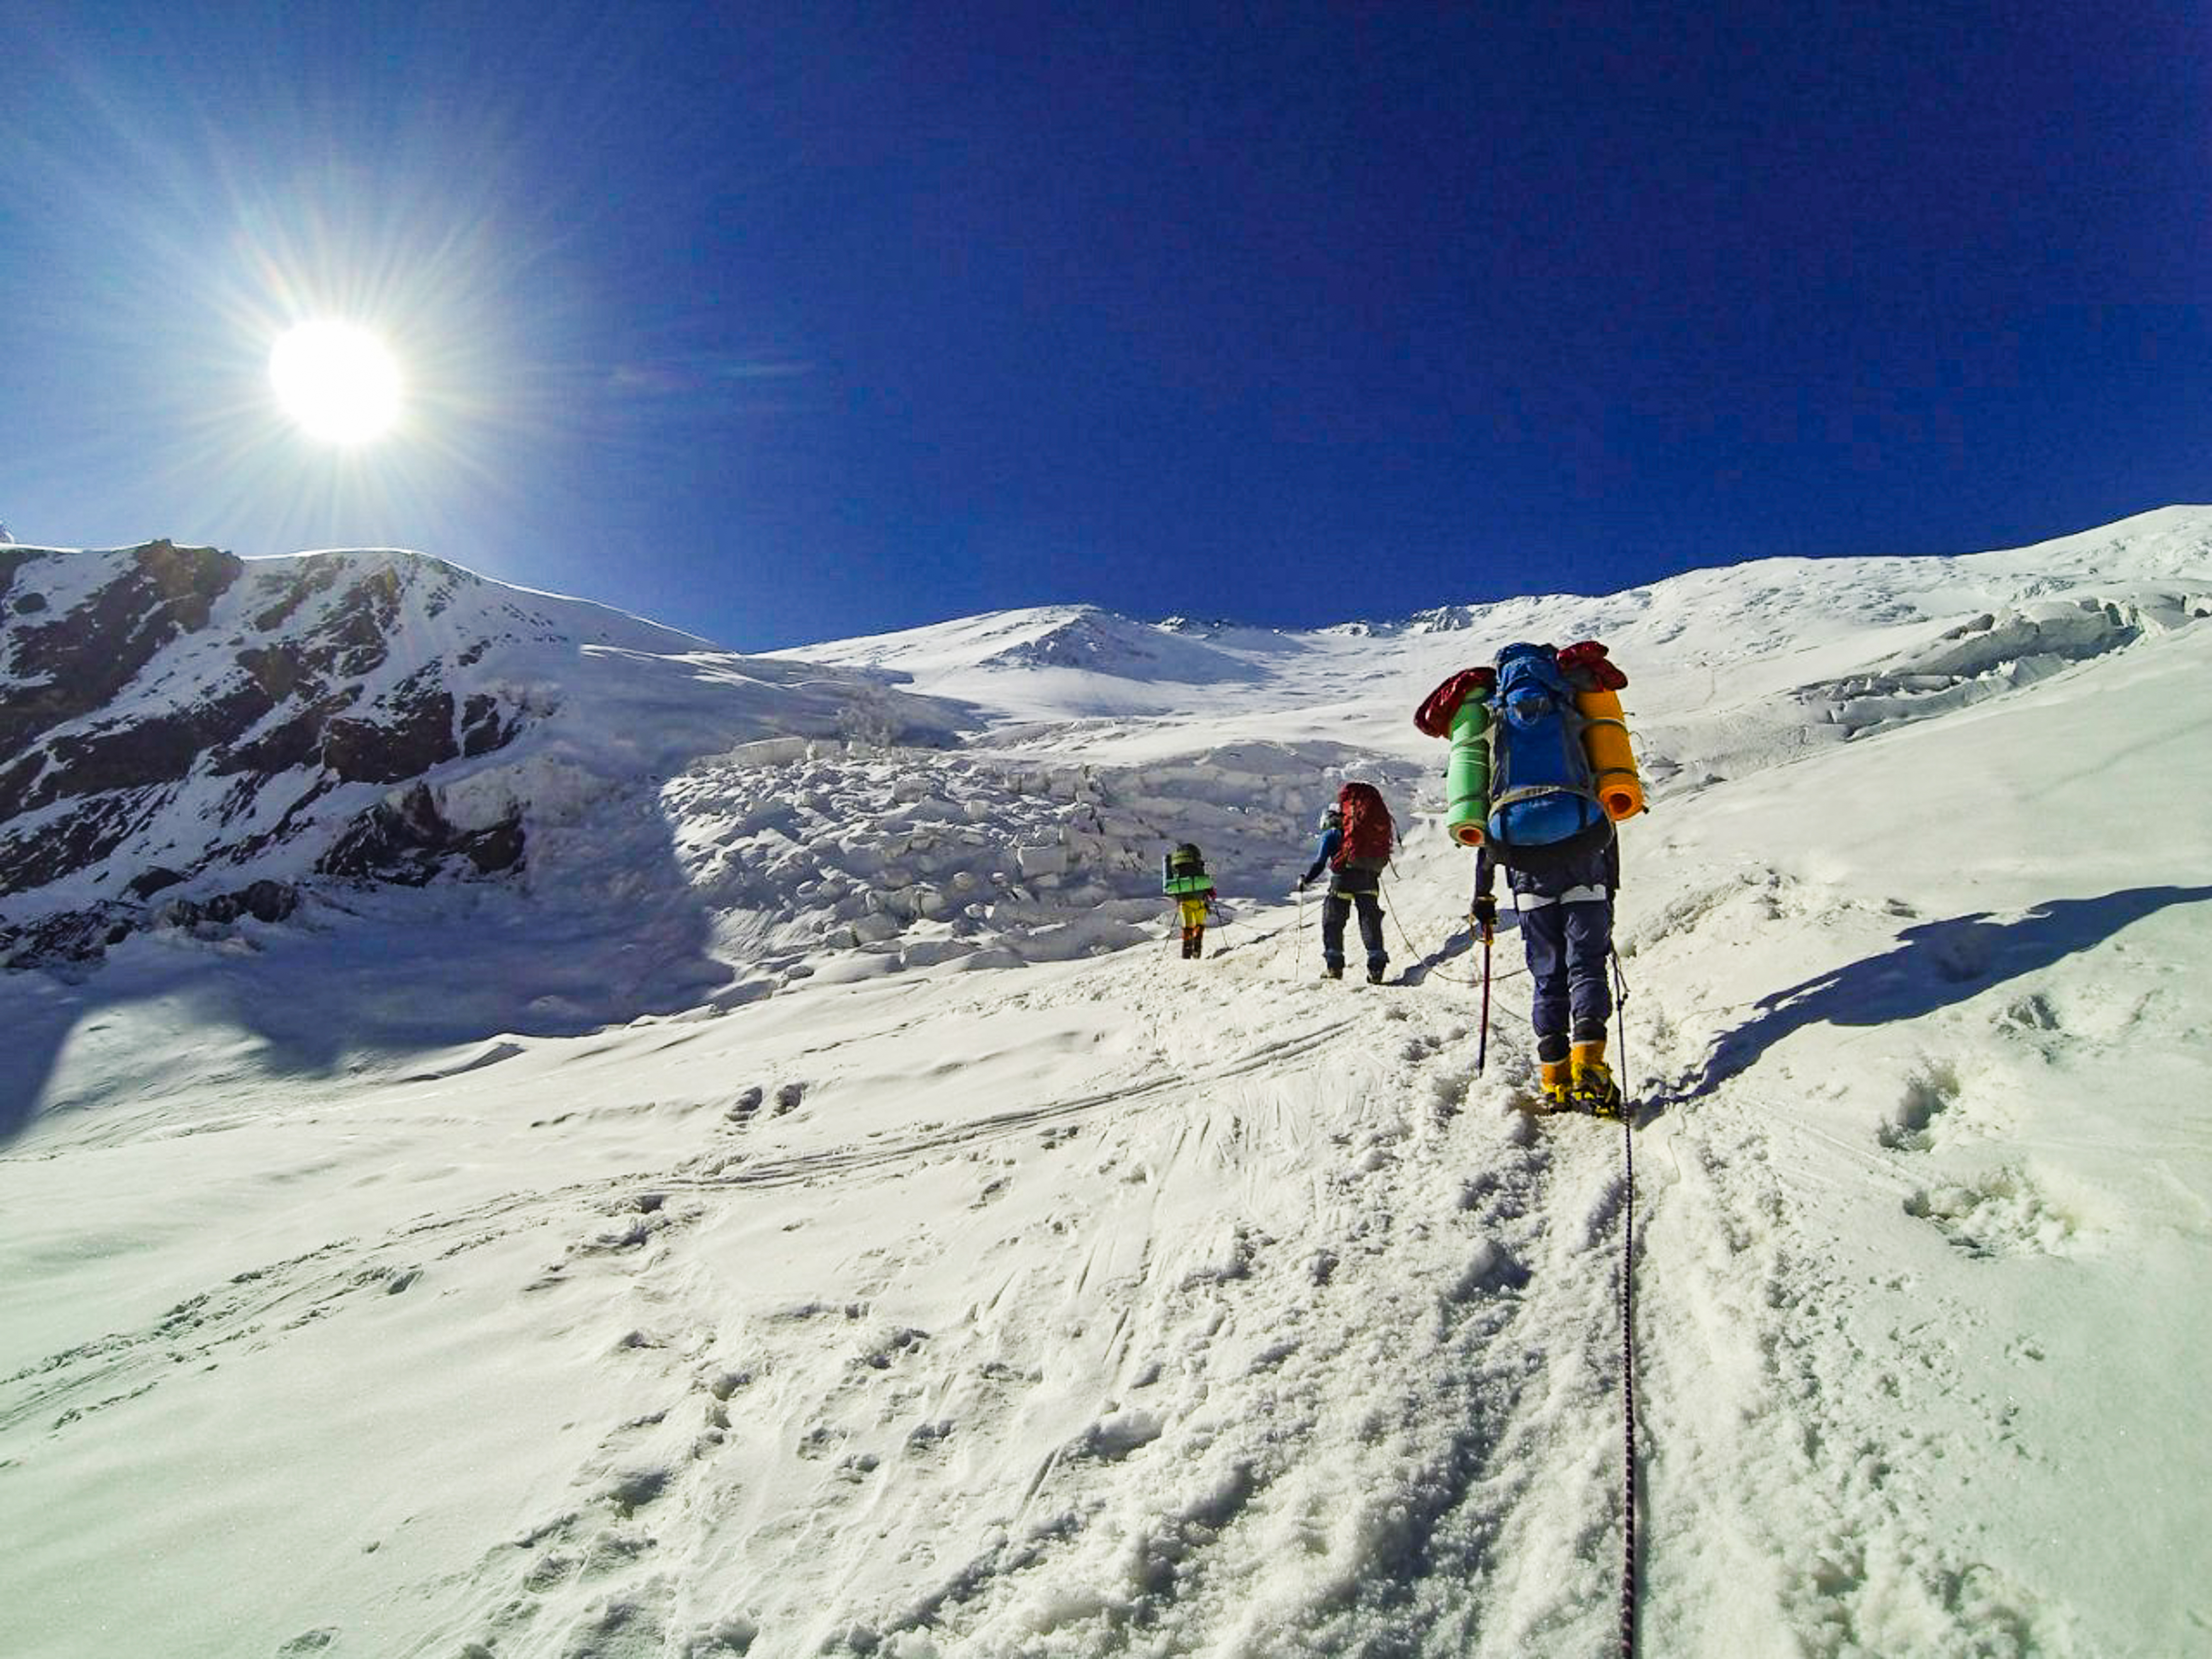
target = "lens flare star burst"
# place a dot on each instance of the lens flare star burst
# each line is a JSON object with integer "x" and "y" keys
{"x": 337, "y": 381}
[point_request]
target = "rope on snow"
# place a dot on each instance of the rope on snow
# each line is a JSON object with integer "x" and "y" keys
{"x": 1627, "y": 1328}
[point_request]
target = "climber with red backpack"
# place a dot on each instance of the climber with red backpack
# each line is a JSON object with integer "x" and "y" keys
{"x": 1356, "y": 837}
{"x": 1540, "y": 772}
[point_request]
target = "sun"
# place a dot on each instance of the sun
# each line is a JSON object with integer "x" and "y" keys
{"x": 337, "y": 381}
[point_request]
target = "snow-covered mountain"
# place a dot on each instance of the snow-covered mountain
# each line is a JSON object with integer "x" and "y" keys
{"x": 795, "y": 1205}
{"x": 179, "y": 722}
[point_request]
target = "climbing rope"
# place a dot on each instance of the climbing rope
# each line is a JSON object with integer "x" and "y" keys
{"x": 1627, "y": 1323}
{"x": 1628, "y": 1394}
{"x": 1425, "y": 957}
{"x": 1382, "y": 897}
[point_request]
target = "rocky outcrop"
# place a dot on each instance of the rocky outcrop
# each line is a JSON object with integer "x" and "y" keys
{"x": 77, "y": 936}
{"x": 74, "y": 662}
{"x": 185, "y": 735}
{"x": 412, "y": 842}
{"x": 181, "y": 688}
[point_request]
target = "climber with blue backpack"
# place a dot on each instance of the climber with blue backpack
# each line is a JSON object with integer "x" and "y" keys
{"x": 1541, "y": 771}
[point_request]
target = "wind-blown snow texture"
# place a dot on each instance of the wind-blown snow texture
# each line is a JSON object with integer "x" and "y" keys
{"x": 805, "y": 1206}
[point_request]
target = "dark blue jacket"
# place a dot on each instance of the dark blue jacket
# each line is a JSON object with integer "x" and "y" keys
{"x": 1331, "y": 839}
{"x": 1358, "y": 876}
{"x": 1595, "y": 866}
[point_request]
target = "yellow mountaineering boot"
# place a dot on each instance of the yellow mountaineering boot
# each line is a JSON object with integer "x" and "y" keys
{"x": 1591, "y": 1086}
{"x": 1552, "y": 1077}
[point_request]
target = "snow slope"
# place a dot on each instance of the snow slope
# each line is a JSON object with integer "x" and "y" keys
{"x": 643, "y": 1257}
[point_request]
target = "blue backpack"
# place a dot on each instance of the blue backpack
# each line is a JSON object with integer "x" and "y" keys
{"x": 1541, "y": 795}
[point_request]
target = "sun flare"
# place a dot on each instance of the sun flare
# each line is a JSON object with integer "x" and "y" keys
{"x": 337, "y": 381}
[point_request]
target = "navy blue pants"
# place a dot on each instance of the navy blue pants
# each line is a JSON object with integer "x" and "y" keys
{"x": 1335, "y": 909}
{"x": 1567, "y": 947}
{"x": 1566, "y": 927}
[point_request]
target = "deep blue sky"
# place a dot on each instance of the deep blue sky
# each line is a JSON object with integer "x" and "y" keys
{"x": 786, "y": 322}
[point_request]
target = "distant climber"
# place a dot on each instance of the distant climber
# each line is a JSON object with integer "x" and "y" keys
{"x": 1540, "y": 772}
{"x": 1183, "y": 878}
{"x": 1357, "y": 838}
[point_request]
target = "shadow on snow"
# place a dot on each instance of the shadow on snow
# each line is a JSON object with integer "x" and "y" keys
{"x": 358, "y": 977}
{"x": 1933, "y": 966}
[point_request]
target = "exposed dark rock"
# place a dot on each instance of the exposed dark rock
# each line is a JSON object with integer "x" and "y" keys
{"x": 147, "y": 882}
{"x": 16, "y": 780}
{"x": 497, "y": 848}
{"x": 411, "y": 843}
{"x": 418, "y": 738}
{"x": 358, "y": 630}
{"x": 277, "y": 669}
{"x": 158, "y": 750}
{"x": 89, "y": 654}
{"x": 83, "y": 936}
{"x": 320, "y": 785}
{"x": 264, "y": 900}
{"x": 175, "y": 722}
{"x": 282, "y": 698}
{"x": 63, "y": 846}
{"x": 482, "y": 729}
{"x": 293, "y": 743}
{"x": 73, "y": 936}
{"x": 190, "y": 579}
{"x": 295, "y": 592}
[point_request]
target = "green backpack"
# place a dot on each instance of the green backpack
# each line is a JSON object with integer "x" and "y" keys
{"x": 1183, "y": 872}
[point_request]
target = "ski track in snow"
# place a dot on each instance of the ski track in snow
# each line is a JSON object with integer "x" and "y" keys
{"x": 1388, "y": 1353}
{"x": 1216, "y": 1396}
{"x": 1095, "y": 1559}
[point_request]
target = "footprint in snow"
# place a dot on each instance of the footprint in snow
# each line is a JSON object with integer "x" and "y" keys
{"x": 2000, "y": 1212}
{"x": 1929, "y": 1096}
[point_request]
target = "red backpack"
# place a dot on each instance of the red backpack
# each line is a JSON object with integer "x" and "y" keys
{"x": 1369, "y": 833}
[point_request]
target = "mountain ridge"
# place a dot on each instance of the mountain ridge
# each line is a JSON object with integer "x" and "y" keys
{"x": 186, "y": 736}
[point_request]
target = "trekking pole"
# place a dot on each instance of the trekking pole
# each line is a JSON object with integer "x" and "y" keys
{"x": 1482, "y": 1044}
{"x": 1620, "y": 1015}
